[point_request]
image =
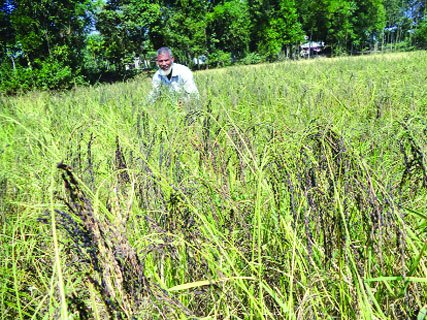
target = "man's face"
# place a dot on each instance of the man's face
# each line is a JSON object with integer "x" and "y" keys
{"x": 164, "y": 61}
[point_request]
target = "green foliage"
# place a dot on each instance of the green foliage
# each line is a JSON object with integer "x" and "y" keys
{"x": 313, "y": 17}
{"x": 6, "y": 34}
{"x": 420, "y": 35}
{"x": 44, "y": 43}
{"x": 52, "y": 74}
{"x": 340, "y": 25}
{"x": 302, "y": 198}
{"x": 228, "y": 27}
{"x": 124, "y": 28}
{"x": 40, "y": 26}
{"x": 274, "y": 25}
{"x": 417, "y": 9}
{"x": 99, "y": 39}
{"x": 252, "y": 58}
{"x": 183, "y": 28}
{"x": 46, "y": 74}
{"x": 95, "y": 62}
{"x": 346, "y": 26}
{"x": 220, "y": 58}
{"x": 15, "y": 80}
{"x": 394, "y": 12}
{"x": 369, "y": 23}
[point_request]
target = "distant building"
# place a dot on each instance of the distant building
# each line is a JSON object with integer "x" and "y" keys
{"x": 138, "y": 64}
{"x": 311, "y": 48}
{"x": 200, "y": 60}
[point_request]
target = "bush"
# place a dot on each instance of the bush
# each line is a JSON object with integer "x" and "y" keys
{"x": 46, "y": 75}
{"x": 252, "y": 58}
{"x": 15, "y": 80}
{"x": 420, "y": 35}
{"x": 220, "y": 58}
{"x": 53, "y": 74}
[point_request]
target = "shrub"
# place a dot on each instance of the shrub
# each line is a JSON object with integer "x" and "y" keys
{"x": 14, "y": 80}
{"x": 252, "y": 58}
{"x": 420, "y": 35}
{"x": 53, "y": 74}
{"x": 46, "y": 75}
{"x": 220, "y": 59}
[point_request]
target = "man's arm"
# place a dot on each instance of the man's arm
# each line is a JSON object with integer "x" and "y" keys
{"x": 155, "y": 90}
{"x": 189, "y": 84}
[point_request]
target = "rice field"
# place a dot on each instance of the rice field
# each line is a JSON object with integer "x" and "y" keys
{"x": 293, "y": 190}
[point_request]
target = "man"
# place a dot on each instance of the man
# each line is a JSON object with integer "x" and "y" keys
{"x": 176, "y": 78}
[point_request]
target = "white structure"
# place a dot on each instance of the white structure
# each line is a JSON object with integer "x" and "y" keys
{"x": 200, "y": 60}
{"x": 311, "y": 47}
{"x": 138, "y": 63}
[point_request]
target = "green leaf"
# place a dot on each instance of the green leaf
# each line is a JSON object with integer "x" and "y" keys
{"x": 197, "y": 284}
{"x": 422, "y": 314}
{"x": 396, "y": 278}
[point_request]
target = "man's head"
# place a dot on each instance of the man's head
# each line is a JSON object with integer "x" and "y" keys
{"x": 165, "y": 59}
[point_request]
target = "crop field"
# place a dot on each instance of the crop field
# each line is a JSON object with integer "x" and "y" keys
{"x": 293, "y": 190}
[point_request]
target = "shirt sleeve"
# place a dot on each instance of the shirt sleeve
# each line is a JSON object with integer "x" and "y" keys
{"x": 154, "y": 93}
{"x": 189, "y": 84}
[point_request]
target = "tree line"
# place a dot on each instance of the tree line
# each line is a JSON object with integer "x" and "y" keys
{"x": 57, "y": 44}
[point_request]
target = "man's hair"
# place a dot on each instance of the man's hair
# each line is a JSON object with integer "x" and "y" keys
{"x": 165, "y": 50}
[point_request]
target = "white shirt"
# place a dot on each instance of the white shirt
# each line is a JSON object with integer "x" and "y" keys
{"x": 181, "y": 83}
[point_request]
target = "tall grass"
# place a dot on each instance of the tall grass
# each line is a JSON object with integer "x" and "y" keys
{"x": 297, "y": 190}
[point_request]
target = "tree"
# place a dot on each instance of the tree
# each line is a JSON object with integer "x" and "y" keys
{"x": 332, "y": 21}
{"x": 420, "y": 36}
{"x": 183, "y": 28}
{"x": 275, "y": 26}
{"x": 398, "y": 22}
{"x": 7, "y": 36}
{"x": 418, "y": 14}
{"x": 369, "y": 22}
{"x": 43, "y": 40}
{"x": 345, "y": 25}
{"x": 50, "y": 28}
{"x": 124, "y": 27}
{"x": 313, "y": 16}
{"x": 340, "y": 28}
{"x": 228, "y": 28}
{"x": 417, "y": 10}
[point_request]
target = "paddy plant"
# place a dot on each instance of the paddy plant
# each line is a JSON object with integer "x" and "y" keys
{"x": 293, "y": 190}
